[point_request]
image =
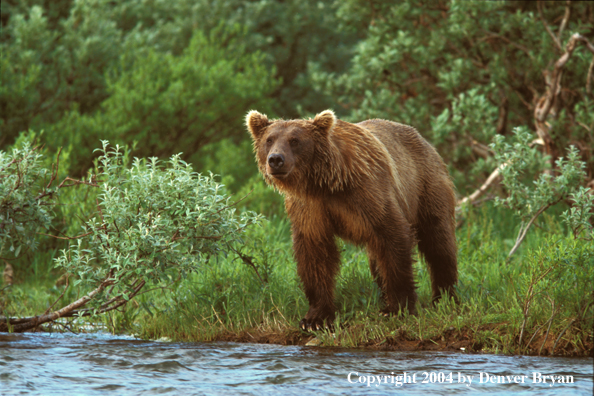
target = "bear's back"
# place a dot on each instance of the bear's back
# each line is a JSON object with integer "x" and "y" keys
{"x": 411, "y": 152}
{"x": 418, "y": 165}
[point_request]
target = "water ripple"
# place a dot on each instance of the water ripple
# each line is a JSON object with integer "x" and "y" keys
{"x": 97, "y": 364}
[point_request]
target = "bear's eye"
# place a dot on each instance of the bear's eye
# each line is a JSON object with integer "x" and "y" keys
{"x": 294, "y": 142}
{"x": 269, "y": 141}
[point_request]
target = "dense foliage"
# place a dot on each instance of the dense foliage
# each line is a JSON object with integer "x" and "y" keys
{"x": 176, "y": 73}
{"x": 528, "y": 201}
{"x": 26, "y": 203}
{"x": 152, "y": 224}
{"x": 178, "y": 76}
{"x": 502, "y": 89}
{"x": 464, "y": 71}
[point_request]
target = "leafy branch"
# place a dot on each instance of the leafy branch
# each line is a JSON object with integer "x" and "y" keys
{"x": 155, "y": 223}
{"x": 529, "y": 199}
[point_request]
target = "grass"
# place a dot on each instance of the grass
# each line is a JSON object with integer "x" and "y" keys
{"x": 539, "y": 302}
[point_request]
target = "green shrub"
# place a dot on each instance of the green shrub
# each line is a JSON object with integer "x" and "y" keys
{"x": 26, "y": 200}
{"x": 152, "y": 224}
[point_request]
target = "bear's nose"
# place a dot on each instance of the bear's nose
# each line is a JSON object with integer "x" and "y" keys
{"x": 276, "y": 161}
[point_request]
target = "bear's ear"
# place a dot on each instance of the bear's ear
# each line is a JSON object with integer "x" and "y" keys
{"x": 325, "y": 120}
{"x": 256, "y": 123}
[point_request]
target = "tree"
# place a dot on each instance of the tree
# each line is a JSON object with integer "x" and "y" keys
{"x": 50, "y": 64}
{"x": 168, "y": 103}
{"x": 463, "y": 72}
{"x": 64, "y": 60}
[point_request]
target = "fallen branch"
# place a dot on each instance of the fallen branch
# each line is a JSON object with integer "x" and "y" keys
{"x": 18, "y": 325}
{"x": 119, "y": 301}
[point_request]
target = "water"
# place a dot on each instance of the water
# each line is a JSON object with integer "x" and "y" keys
{"x": 100, "y": 364}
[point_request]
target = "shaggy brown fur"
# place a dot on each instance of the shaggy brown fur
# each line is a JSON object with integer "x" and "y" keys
{"x": 376, "y": 183}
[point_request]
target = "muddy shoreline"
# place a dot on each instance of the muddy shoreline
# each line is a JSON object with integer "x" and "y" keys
{"x": 450, "y": 341}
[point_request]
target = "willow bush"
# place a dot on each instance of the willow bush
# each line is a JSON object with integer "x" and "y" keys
{"x": 153, "y": 224}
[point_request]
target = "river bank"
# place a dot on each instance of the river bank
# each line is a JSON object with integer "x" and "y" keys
{"x": 451, "y": 341}
{"x": 463, "y": 341}
{"x": 538, "y": 303}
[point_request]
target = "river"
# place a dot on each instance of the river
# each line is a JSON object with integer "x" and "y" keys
{"x": 100, "y": 364}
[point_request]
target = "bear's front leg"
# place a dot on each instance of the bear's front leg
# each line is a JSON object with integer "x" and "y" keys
{"x": 318, "y": 262}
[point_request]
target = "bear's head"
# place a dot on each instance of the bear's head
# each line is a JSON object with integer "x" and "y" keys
{"x": 286, "y": 150}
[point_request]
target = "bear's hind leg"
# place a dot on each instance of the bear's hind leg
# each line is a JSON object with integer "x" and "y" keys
{"x": 376, "y": 275}
{"x": 437, "y": 244}
{"x": 391, "y": 251}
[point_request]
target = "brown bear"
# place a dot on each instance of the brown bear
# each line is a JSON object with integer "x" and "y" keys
{"x": 376, "y": 183}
